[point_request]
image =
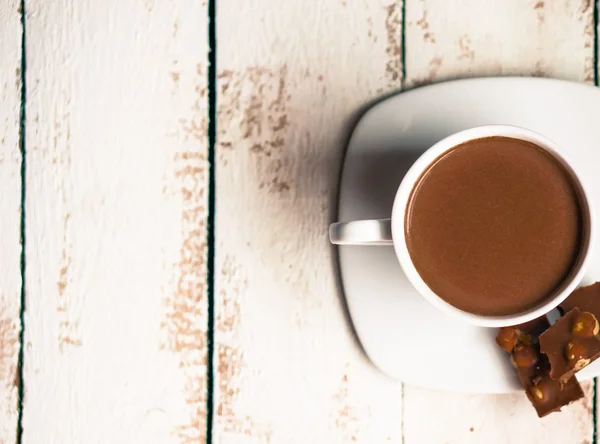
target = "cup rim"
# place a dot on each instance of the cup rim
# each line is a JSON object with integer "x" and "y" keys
{"x": 399, "y": 215}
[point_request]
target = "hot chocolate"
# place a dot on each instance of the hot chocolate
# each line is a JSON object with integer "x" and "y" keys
{"x": 494, "y": 226}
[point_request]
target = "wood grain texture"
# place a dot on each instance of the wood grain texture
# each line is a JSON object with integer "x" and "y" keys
{"x": 505, "y": 419}
{"x": 115, "y": 344}
{"x": 443, "y": 41}
{"x": 286, "y": 366}
{"x": 10, "y": 208}
{"x": 458, "y": 38}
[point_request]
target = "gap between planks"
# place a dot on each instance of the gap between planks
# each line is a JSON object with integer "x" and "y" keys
{"x": 22, "y": 259}
{"x": 210, "y": 272}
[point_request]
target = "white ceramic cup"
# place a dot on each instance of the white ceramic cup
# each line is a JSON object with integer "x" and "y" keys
{"x": 391, "y": 231}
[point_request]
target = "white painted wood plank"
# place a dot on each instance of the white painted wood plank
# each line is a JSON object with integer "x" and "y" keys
{"x": 289, "y": 79}
{"x": 10, "y": 204}
{"x": 457, "y": 38}
{"x": 116, "y": 220}
{"x": 433, "y": 417}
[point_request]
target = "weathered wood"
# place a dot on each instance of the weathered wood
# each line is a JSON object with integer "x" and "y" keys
{"x": 455, "y": 39}
{"x": 473, "y": 419}
{"x": 289, "y": 80}
{"x": 116, "y": 222}
{"x": 116, "y": 317}
{"x": 10, "y": 208}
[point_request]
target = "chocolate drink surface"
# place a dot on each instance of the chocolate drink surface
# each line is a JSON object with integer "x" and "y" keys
{"x": 494, "y": 226}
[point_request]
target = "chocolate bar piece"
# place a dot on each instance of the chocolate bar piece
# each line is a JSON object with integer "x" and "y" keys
{"x": 525, "y": 356}
{"x": 535, "y": 328}
{"x": 571, "y": 344}
{"x": 526, "y": 333}
{"x": 546, "y": 395}
{"x": 584, "y": 298}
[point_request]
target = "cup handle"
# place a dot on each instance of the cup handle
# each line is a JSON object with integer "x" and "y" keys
{"x": 361, "y": 232}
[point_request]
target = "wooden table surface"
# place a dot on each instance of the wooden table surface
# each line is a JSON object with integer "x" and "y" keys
{"x": 168, "y": 171}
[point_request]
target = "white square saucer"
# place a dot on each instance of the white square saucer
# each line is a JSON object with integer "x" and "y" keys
{"x": 403, "y": 334}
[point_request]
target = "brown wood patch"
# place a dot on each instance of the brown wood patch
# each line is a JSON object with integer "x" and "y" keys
{"x": 345, "y": 416}
{"x": 434, "y": 66}
{"x": 466, "y": 51}
{"x": 185, "y": 322}
{"x": 586, "y": 15}
{"x": 423, "y": 23}
{"x": 9, "y": 346}
{"x": 393, "y": 26}
{"x": 230, "y": 363}
{"x": 256, "y": 102}
{"x": 61, "y": 155}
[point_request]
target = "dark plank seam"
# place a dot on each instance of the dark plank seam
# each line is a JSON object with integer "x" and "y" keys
{"x": 594, "y": 420}
{"x": 212, "y": 136}
{"x": 403, "y": 44}
{"x": 595, "y": 395}
{"x": 402, "y": 416}
{"x": 22, "y": 120}
{"x": 596, "y": 43}
{"x": 402, "y": 86}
